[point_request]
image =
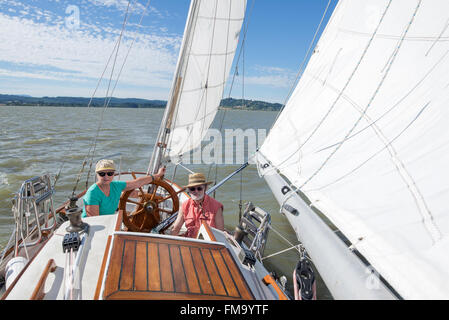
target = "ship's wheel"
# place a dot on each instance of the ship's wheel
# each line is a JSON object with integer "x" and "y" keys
{"x": 149, "y": 206}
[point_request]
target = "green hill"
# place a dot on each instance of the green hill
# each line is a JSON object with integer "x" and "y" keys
{"x": 25, "y": 100}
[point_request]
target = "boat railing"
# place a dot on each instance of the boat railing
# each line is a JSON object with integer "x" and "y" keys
{"x": 33, "y": 212}
{"x": 253, "y": 229}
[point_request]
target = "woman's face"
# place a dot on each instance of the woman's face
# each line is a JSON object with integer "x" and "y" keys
{"x": 197, "y": 192}
{"x": 105, "y": 176}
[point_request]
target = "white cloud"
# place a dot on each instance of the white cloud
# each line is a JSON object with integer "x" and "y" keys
{"x": 53, "y": 52}
{"x": 270, "y": 76}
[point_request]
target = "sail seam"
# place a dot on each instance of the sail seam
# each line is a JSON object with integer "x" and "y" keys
{"x": 369, "y": 102}
{"x": 393, "y": 37}
{"x": 192, "y": 26}
{"x": 228, "y": 53}
{"x": 427, "y": 218}
{"x": 202, "y": 88}
{"x": 417, "y": 85}
{"x": 439, "y": 37}
{"x": 221, "y": 19}
{"x": 348, "y": 81}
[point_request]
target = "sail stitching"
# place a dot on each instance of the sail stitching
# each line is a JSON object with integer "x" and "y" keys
{"x": 348, "y": 81}
{"x": 427, "y": 218}
{"x": 206, "y": 86}
{"x": 206, "y": 91}
{"x": 439, "y": 37}
{"x": 203, "y": 89}
{"x": 418, "y": 84}
{"x": 227, "y": 53}
{"x": 369, "y": 103}
{"x": 393, "y": 37}
{"x": 419, "y": 199}
{"x": 194, "y": 25}
{"x": 221, "y": 19}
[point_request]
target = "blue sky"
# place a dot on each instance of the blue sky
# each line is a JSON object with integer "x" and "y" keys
{"x": 46, "y": 50}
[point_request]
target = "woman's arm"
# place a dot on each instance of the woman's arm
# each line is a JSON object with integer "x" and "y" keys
{"x": 137, "y": 183}
{"x": 92, "y": 210}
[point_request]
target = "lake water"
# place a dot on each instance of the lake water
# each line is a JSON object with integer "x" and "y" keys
{"x": 36, "y": 140}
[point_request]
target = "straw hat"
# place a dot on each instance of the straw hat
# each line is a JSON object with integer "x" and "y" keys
{"x": 196, "y": 179}
{"x": 104, "y": 164}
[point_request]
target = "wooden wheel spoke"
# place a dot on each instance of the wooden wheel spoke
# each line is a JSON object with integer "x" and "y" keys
{"x": 135, "y": 202}
{"x": 165, "y": 210}
{"x": 141, "y": 220}
{"x": 154, "y": 192}
{"x": 163, "y": 199}
{"x": 132, "y": 214}
{"x": 140, "y": 188}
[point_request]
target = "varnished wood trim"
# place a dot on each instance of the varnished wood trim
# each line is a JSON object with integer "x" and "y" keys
{"x": 118, "y": 222}
{"x": 141, "y": 295}
{"x": 236, "y": 274}
{"x": 268, "y": 280}
{"x": 158, "y": 268}
{"x": 102, "y": 269}
{"x": 209, "y": 231}
{"x": 38, "y": 293}
{"x": 24, "y": 269}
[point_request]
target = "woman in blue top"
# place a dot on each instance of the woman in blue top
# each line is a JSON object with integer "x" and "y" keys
{"x": 103, "y": 196}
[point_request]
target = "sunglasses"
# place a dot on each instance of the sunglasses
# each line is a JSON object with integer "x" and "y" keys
{"x": 195, "y": 188}
{"x": 102, "y": 174}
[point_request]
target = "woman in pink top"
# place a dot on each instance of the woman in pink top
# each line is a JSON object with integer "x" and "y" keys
{"x": 200, "y": 207}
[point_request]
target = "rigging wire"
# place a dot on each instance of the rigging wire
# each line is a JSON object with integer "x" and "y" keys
{"x": 302, "y": 66}
{"x": 106, "y": 102}
{"x": 108, "y": 98}
{"x": 299, "y": 75}
{"x": 246, "y": 27}
{"x": 188, "y": 46}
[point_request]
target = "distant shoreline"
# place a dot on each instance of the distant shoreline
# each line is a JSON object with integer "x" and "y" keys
{"x": 226, "y": 104}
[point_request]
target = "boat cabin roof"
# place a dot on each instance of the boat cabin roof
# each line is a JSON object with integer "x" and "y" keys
{"x": 161, "y": 268}
{"x": 126, "y": 265}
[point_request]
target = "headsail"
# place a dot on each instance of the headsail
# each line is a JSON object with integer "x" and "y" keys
{"x": 209, "y": 44}
{"x": 364, "y": 136}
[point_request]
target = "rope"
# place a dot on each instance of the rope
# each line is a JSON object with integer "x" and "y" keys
{"x": 299, "y": 247}
{"x": 246, "y": 27}
{"x": 108, "y": 97}
{"x": 241, "y": 191}
{"x": 106, "y": 102}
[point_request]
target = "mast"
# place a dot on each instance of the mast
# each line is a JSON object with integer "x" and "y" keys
{"x": 167, "y": 120}
{"x": 210, "y": 41}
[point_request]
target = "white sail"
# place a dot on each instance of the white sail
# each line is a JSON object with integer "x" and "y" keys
{"x": 364, "y": 136}
{"x": 209, "y": 44}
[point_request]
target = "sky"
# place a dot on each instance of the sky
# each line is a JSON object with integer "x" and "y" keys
{"x": 61, "y": 47}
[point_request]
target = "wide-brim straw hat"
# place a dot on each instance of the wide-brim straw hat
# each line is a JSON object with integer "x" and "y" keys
{"x": 104, "y": 164}
{"x": 196, "y": 179}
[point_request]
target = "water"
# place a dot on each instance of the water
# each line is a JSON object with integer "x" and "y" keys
{"x": 35, "y": 140}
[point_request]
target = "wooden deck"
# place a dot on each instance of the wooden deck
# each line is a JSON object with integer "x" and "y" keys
{"x": 155, "y": 268}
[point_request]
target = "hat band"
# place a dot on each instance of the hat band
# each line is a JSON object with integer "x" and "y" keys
{"x": 197, "y": 181}
{"x": 105, "y": 168}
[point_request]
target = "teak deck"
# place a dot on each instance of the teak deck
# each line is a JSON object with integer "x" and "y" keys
{"x": 157, "y": 268}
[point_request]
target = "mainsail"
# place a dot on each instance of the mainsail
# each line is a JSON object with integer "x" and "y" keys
{"x": 209, "y": 44}
{"x": 364, "y": 136}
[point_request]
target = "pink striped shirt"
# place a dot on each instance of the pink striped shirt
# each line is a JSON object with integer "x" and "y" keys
{"x": 194, "y": 213}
